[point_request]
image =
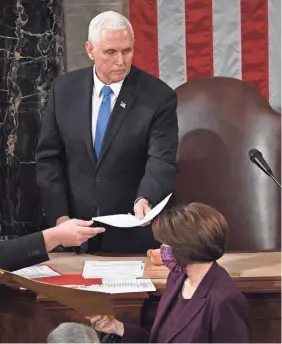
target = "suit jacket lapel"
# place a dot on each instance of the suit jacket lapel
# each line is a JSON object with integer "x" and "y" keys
{"x": 121, "y": 110}
{"x": 85, "y": 107}
{"x": 167, "y": 298}
{"x": 197, "y": 301}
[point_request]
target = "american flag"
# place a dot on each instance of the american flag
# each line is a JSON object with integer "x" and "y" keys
{"x": 179, "y": 40}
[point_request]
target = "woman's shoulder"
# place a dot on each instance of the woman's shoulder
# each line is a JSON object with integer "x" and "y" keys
{"x": 222, "y": 295}
{"x": 224, "y": 289}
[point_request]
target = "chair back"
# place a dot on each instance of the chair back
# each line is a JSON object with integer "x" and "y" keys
{"x": 220, "y": 120}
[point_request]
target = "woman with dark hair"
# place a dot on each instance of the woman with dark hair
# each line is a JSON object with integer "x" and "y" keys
{"x": 200, "y": 303}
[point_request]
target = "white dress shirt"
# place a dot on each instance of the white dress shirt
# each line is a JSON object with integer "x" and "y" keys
{"x": 97, "y": 98}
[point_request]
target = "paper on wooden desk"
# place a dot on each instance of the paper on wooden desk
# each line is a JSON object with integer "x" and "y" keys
{"x": 36, "y": 271}
{"x": 121, "y": 286}
{"x": 113, "y": 269}
{"x": 83, "y": 301}
{"x": 125, "y": 220}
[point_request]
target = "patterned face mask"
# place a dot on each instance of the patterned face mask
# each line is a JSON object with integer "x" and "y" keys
{"x": 169, "y": 261}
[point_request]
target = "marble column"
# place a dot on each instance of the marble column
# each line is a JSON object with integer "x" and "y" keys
{"x": 32, "y": 54}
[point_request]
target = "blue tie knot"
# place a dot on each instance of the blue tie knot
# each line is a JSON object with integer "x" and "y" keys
{"x": 106, "y": 90}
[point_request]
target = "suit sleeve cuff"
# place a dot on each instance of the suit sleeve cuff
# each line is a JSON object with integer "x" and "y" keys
{"x": 138, "y": 199}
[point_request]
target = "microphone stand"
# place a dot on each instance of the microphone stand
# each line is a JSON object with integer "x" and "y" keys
{"x": 276, "y": 181}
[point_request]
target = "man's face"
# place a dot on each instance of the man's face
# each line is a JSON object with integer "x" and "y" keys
{"x": 112, "y": 55}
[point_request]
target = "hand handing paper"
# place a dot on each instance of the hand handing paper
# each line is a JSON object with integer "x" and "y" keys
{"x": 123, "y": 220}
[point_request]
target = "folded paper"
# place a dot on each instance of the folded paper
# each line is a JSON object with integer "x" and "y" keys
{"x": 125, "y": 220}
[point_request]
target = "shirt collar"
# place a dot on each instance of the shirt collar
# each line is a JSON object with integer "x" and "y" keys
{"x": 98, "y": 84}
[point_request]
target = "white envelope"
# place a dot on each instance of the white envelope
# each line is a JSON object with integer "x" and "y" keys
{"x": 126, "y": 220}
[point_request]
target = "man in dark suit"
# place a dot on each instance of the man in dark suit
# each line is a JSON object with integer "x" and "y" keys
{"x": 109, "y": 139}
{"x": 33, "y": 249}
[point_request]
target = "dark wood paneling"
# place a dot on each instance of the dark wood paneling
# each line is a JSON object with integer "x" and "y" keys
{"x": 263, "y": 295}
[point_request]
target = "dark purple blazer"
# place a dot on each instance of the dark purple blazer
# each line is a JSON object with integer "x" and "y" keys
{"x": 217, "y": 313}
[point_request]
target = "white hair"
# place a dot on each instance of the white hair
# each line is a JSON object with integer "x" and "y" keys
{"x": 73, "y": 333}
{"x": 108, "y": 20}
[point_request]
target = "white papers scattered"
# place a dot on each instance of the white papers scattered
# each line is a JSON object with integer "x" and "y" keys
{"x": 113, "y": 269}
{"x": 37, "y": 271}
{"x": 123, "y": 220}
{"x": 122, "y": 286}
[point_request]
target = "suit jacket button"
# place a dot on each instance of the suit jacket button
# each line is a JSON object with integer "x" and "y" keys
{"x": 98, "y": 179}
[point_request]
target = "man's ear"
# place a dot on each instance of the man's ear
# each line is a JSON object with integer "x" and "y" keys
{"x": 90, "y": 50}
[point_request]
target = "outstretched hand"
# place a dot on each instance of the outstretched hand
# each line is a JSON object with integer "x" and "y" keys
{"x": 72, "y": 232}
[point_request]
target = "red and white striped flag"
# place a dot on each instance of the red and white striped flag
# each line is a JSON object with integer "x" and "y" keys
{"x": 179, "y": 40}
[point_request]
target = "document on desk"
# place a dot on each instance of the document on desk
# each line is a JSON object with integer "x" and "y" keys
{"x": 83, "y": 301}
{"x": 120, "y": 286}
{"x": 125, "y": 220}
{"x": 113, "y": 269}
{"x": 37, "y": 271}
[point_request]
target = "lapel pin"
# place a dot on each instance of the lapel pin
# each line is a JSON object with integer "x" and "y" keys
{"x": 122, "y": 104}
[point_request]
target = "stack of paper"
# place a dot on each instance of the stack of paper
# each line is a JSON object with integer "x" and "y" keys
{"x": 37, "y": 271}
{"x": 131, "y": 285}
{"x": 113, "y": 269}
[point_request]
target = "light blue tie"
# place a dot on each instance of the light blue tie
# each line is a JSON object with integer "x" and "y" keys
{"x": 103, "y": 119}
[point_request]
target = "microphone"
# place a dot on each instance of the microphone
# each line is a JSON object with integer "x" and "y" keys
{"x": 257, "y": 158}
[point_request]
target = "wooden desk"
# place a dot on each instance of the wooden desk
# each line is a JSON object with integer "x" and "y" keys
{"x": 127, "y": 306}
{"x": 257, "y": 275}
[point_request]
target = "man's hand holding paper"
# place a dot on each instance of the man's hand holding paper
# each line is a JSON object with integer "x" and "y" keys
{"x": 141, "y": 209}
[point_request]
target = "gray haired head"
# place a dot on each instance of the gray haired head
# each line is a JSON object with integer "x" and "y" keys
{"x": 108, "y": 20}
{"x": 73, "y": 333}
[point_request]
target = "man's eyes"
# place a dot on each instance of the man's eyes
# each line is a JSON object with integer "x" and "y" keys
{"x": 112, "y": 52}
